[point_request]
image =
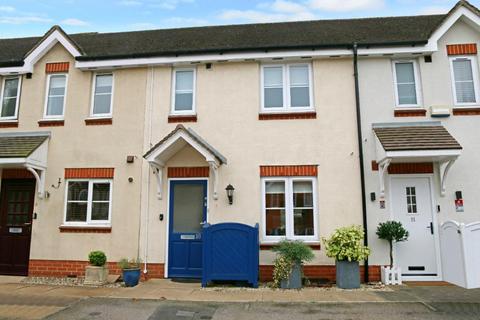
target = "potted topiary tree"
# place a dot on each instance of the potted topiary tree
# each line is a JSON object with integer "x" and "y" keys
{"x": 130, "y": 271}
{"x": 291, "y": 255}
{"x": 346, "y": 246}
{"x": 392, "y": 231}
{"x": 96, "y": 273}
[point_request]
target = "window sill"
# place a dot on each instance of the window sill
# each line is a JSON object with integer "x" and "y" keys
{"x": 466, "y": 111}
{"x": 51, "y": 123}
{"x": 85, "y": 229}
{"x": 410, "y": 112}
{"x": 98, "y": 121}
{"x": 287, "y": 115}
{"x": 271, "y": 245}
{"x": 175, "y": 118}
{"x": 8, "y": 123}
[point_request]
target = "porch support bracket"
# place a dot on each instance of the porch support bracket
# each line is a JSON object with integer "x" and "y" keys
{"x": 444, "y": 167}
{"x": 214, "y": 169}
{"x": 158, "y": 172}
{"x": 40, "y": 178}
{"x": 382, "y": 168}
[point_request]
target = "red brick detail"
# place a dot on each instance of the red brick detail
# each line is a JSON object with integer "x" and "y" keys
{"x": 65, "y": 268}
{"x": 179, "y": 118}
{"x": 459, "y": 49}
{"x": 95, "y": 173}
{"x": 374, "y": 165}
{"x": 407, "y": 168}
{"x": 17, "y": 174}
{"x": 410, "y": 113}
{"x": 320, "y": 272}
{"x": 57, "y": 67}
{"x": 287, "y": 116}
{"x": 270, "y": 246}
{"x": 98, "y": 122}
{"x": 289, "y": 171}
{"x": 466, "y": 111}
{"x": 8, "y": 124}
{"x": 68, "y": 229}
{"x": 187, "y": 172}
{"x": 51, "y": 123}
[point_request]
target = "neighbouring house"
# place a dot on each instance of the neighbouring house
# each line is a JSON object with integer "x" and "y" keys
{"x": 125, "y": 142}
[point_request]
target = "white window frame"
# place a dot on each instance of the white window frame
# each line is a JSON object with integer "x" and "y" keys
{"x": 474, "y": 64}
{"x": 416, "y": 75}
{"x": 55, "y": 117}
{"x": 92, "y": 104}
{"x": 89, "y": 221}
{"x": 17, "y": 102}
{"x": 194, "y": 89}
{"x": 289, "y": 218}
{"x": 286, "y": 88}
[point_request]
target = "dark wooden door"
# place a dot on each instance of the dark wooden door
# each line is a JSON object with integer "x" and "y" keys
{"x": 16, "y": 210}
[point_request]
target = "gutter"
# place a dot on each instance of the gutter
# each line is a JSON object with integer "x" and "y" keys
{"x": 360, "y": 154}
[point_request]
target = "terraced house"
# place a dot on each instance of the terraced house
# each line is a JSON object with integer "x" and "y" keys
{"x": 126, "y": 142}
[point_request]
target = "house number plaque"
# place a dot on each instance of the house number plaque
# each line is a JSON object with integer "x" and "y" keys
{"x": 15, "y": 230}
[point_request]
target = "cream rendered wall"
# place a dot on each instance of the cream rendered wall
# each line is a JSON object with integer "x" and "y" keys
{"x": 228, "y": 104}
{"x": 76, "y": 145}
{"x": 378, "y": 104}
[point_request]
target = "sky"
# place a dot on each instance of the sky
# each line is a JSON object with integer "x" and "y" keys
{"x": 22, "y": 18}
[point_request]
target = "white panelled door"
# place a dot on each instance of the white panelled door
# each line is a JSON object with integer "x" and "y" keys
{"x": 412, "y": 206}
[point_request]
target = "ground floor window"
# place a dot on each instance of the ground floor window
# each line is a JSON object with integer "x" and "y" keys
{"x": 88, "y": 202}
{"x": 289, "y": 206}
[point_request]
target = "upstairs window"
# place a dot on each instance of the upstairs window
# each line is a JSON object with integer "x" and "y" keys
{"x": 10, "y": 98}
{"x": 55, "y": 100}
{"x": 286, "y": 87}
{"x": 406, "y": 84}
{"x": 465, "y": 80}
{"x": 183, "y": 95}
{"x": 102, "y": 95}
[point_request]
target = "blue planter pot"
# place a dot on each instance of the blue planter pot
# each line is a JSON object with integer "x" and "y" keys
{"x": 294, "y": 281}
{"x": 131, "y": 277}
{"x": 348, "y": 274}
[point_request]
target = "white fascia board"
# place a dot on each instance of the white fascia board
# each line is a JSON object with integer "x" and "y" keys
{"x": 12, "y": 161}
{"x": 48, "y": 43}
{"x": 402, "y": 155}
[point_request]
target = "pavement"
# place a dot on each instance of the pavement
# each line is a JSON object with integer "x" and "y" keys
{"x": 165, "y": 299}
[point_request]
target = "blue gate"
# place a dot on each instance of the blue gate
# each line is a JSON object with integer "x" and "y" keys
{"x": 230, "y": 252}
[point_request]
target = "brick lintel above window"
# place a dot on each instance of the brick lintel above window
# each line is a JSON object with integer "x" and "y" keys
{"x": 461, "y": 49}
{"x": 89, "y": 173}
{"x": 289, "y": 171}
{"x": 57, "y": 67}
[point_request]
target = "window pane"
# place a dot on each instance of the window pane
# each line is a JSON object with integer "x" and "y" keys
{"x": 303, "y": 208}
{"x": 184, "y": 80}
{"x": 8, "y": 107}
{"x": 101, "y": 191}
{"x": 76, "y": 212}
{"x": 78, "y": 190}
{"x": 57, "y": 85}
{"x": 462, "y": 69}
{"x": 103, "y": 83}
{"x": 299, "y": 76}
{"x": 302, "y": 194}
{"x": 273, "y": 98}
{"x": 275, "y": 208}
{"x": 303, "y": 222}
{"x": 465, "y": 92}
{"x": 101, "y": 105}
{"x": 183, "y": 101}
{"x": 273, "y": 77}
{"x": 188, "y": 208}
{"x": 300, "y": 97}
{"x": 405, "y": 72}
{"x": 100, "y": 211}
{"x": 55, "y": 106}
{"x": 407, "y": 94}
{"x": 464, "y": 85}
{"x": 275, "y": 222}
{"x": 11, "y": 88}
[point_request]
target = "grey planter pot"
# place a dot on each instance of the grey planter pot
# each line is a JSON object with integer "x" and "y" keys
{"x": 294, "y": 281}
{"x": 96, "y": 276}
{"x": 348, "y": 274}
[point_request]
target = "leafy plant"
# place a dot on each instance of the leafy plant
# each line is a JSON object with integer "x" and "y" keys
{"x": 392, "y": 231}
{"x": 281, "y": 270}
{"x": 347, "y": 244}
{"x": 124, "y": 263}
{"x": 97, "y": 258}
{"x": 294, "y": 251}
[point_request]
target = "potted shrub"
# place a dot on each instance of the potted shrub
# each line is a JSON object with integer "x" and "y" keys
{"x": 346, "y": 246}
{"x": 130, "y": 271}
{"x": 291, "y": 255}
{"x": 392, "y": 231}
{"x": 96, "y": 273}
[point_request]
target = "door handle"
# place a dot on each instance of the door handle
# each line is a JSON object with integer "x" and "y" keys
{"x": 431, "y": 227}
{"x": 27, "y": 224}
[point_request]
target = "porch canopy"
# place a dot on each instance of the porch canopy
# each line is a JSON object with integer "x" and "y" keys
{"x": 176, "y": 140}
{"x": 413, "y": 142}
{"x": 27, "y": 150}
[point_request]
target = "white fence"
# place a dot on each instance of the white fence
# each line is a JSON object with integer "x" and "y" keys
{"x": 391, "y": 276}
{"x": 460, "y": 244}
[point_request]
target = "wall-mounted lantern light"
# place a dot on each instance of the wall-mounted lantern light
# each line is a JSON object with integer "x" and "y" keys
{"x": 230, "y": 189}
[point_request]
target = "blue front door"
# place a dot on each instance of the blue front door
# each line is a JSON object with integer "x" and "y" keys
{"x": 188, "y": 209}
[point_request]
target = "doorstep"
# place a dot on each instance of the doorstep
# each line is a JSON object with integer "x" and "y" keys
{"x": 11, "y": 279}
